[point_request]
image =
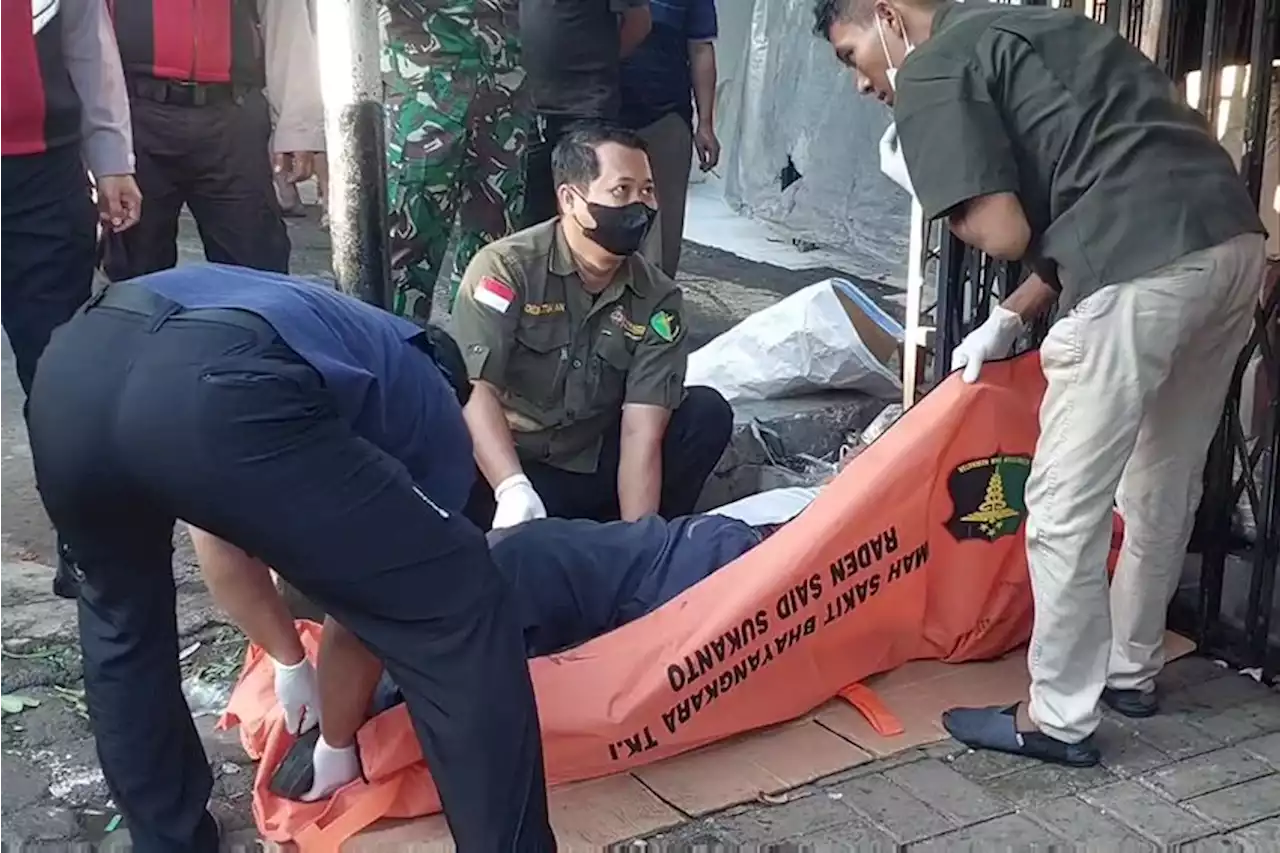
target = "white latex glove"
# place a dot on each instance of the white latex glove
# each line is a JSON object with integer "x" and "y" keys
{"x": 299, "y": 695}
{"x": 990, "y": 341}
{"x": 892, "y": 163}
{"x": 333, "y": 769}
{"x": 517, "y": 502}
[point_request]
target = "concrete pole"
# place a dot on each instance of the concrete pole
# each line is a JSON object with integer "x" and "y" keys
{"x": 351, "y": 82}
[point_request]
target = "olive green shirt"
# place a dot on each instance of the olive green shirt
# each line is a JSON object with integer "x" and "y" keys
{"x": 1117, "y": 175}
{"x": 566, "y": 362}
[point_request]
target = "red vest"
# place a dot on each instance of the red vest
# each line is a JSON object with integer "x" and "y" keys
{"x": 203, "y": 41}
{"x": 39, "y": 105}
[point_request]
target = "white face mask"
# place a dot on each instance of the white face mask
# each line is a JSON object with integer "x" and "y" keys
{"x": 892, "y": 163}
{"x": 892, "y": 73}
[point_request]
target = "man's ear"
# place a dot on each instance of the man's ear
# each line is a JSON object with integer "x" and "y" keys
{"x": 564, "y": 199}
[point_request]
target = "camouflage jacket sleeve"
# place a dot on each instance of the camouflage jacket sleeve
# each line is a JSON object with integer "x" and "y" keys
{"x": 656, "y": 377}
{"x": 486, "y": 313}
{"x": 293, "y": 76}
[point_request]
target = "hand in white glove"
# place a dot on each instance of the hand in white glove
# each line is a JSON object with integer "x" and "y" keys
{"x": 990, "y": 341}
{"x": 517, "y": 502}
{"x": 299, "y": 695}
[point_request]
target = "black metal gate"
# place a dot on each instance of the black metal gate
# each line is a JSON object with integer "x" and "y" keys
{"x": 1242, "y": 476}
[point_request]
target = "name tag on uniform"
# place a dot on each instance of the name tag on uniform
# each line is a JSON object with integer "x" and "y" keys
{"x": 543, "y": 309}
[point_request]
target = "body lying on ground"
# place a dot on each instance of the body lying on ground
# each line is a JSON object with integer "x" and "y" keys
{"x": 572, "y": 580}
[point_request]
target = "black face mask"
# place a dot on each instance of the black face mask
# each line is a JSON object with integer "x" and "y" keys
{"x": 620, "y": 230}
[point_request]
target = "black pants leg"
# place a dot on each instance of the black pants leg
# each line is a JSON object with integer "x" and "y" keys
{"x": 696, "y": 437}
{"x": 214, "y": 159}
{"x": 147, "y": 743}
{"x": 48, "y": 225}
{"x": 540, "y": 188}
{"x": 231, "y": 432}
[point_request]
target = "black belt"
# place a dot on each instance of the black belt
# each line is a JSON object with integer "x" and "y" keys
{"x": 136, "y": 299}
{"x": 185, "y": 93}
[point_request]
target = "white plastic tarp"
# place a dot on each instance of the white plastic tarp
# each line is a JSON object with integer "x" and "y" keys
{"x": 808, "y": 342}
{"x": 785, "y": 99}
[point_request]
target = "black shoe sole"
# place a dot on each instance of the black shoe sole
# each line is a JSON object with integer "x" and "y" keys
{"x": 297, "y": 772}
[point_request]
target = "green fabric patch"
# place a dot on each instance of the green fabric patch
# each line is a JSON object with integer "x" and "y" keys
{"x": 665, "y": 325}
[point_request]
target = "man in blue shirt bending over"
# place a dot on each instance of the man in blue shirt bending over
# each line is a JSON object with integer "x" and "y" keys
{"x": 317, "y": 434}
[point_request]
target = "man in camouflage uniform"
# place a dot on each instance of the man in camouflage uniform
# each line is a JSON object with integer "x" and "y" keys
{"x": 457, "y": 119}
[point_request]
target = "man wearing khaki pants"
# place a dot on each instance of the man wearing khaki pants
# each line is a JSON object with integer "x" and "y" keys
{"x": 677, "y": 59}
{"x": 1043, "y": 137}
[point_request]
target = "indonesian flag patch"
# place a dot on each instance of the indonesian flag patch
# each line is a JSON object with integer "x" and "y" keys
{"x": 494, "y": 294}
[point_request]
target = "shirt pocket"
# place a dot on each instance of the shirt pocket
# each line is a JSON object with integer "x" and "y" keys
{"x": 610, "y": 363}
{"x": 536, "y": 367}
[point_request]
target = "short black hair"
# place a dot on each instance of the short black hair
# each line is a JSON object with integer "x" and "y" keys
{"x": 574, "y": 160}
{"x": 828, "y": 12}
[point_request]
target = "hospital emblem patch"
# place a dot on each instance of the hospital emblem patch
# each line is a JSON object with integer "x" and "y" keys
{"x": 989, "y": 497}
{"x": 665, "y": 325}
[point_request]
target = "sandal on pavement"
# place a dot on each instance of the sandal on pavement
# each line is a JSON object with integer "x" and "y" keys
{"x": 996, "y": 728}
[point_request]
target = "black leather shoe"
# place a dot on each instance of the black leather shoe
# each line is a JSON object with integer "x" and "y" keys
{"x": 297, "y": 770}
{"x": 1131, "y": 703}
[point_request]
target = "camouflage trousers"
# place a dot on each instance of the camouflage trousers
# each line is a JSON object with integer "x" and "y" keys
{"x": 456, "y": 143}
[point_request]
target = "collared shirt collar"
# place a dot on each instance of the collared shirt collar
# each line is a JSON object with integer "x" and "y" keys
{"x": 939, "y": 18}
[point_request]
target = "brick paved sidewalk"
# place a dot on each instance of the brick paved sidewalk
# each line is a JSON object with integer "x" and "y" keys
{"x": 1202, "y": 775}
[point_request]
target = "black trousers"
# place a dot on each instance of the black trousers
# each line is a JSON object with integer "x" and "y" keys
{"x": 49, "y": 226}
{"x": 540, "y": 188}
{"x": 206, "y": 416}
{"x": 215, "y": 159}
{"x": 696, "y": 437}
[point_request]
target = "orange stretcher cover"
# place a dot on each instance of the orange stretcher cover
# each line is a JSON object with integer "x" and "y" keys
{"x": 914, "y": 552}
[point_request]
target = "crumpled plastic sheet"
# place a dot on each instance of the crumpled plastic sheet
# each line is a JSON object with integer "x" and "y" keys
{"x": 804, "y": 344}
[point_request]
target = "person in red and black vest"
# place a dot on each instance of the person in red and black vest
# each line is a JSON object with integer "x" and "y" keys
{"x": 64, "y": 110}
{"x": 204, "y": 78}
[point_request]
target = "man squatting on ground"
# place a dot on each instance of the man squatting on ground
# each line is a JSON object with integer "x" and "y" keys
{"x": 576, "y": 347}
{"x": 316, "y": 433}
{"x": 1046, "y": 138}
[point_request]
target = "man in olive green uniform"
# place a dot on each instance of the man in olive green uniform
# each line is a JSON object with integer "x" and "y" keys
{"x": 576, "y": 348}
{"x": 457, "y": 117}
{"x": 1046, "y": 138}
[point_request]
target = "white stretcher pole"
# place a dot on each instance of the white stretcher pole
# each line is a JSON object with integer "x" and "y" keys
{"x": 916, "y": 336}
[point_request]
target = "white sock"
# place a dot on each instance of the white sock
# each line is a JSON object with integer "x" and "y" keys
{"x": 333, "y": 769}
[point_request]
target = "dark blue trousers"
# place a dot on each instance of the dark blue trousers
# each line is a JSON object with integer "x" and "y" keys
{"x": 139, "y": 419}
{"x": 49, "y": 228}
{"x": 576, "y": 579}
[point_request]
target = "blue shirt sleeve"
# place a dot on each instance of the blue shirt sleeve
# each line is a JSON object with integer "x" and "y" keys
{"x": 701, "y": 24}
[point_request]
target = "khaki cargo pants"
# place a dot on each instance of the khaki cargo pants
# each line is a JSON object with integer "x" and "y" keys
{"x": 1137, "y": 379}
